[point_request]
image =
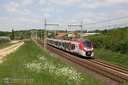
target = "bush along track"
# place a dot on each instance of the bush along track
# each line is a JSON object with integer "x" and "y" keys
{"x": 112, "y": 46}
{"x": 112, "y": 57}
{"x": 30, "y": 64}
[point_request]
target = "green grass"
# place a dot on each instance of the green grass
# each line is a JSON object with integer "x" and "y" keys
{"x": 32, "y": 63}
{"x": 112, "y": 57}
{"x": 5, "y": 45}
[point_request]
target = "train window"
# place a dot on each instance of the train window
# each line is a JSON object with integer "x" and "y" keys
{"x": 87, "y": 44}
{"x": 67, "y": 45}
{"x": 56, "y": 42}
{"x": 51, "y": 41}
{"x": 63, "y": 44}
{"x": 73, "y": 46}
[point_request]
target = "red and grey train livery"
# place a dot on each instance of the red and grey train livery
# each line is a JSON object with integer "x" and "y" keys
{"x": 80, "y": 47}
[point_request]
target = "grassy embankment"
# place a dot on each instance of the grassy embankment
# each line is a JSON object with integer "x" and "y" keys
{"x": 112, "y": 46}
{"x": 40, "y": 68}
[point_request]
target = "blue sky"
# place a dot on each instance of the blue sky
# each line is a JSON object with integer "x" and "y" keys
{"x": 30, "y": 14}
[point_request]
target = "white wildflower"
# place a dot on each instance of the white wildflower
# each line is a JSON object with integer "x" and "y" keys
{"x": 34, "y": 66}
{"x": 43, "y": 58}
{"x": 59, "y": 70}
{"x": 72, "y": 74}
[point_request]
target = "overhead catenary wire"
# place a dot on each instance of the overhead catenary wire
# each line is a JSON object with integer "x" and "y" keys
{"x": 108, "y": 24}
{"x": 107, "y": 20}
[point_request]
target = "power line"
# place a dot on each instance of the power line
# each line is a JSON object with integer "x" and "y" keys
{"x": 107, "y": 20}
{"x": 108, "y": 26}
{"x": 80, "y": 25}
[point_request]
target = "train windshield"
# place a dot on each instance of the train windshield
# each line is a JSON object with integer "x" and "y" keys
{"x": 87, "y": 44}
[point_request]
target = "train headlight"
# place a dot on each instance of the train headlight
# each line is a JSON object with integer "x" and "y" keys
{"x": 92, "y": 49}
{"x": 84, "y": 49}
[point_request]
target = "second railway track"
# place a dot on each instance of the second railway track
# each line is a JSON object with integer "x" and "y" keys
{"x": 111, "y": 66}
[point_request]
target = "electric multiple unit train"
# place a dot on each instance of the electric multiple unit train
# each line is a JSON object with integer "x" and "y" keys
{"x": 80, "y": 47}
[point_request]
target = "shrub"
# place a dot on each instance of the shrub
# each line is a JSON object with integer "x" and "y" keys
{"x": 4, "y": 39}
{"x": 115, "y": 39}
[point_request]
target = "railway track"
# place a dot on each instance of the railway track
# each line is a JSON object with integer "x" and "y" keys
{"x": 113, "y": 72}
{"x": 111, "y": 66}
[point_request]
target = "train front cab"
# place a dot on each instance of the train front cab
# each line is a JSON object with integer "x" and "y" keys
{"x": 86, "y": 48}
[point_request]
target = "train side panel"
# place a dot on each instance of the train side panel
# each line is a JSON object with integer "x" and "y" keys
{"x": 83, "y": 48}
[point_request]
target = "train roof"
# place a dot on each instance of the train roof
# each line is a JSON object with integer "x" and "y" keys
{"x": 74, "y": 40}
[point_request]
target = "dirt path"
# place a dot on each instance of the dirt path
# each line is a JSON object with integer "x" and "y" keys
{"x": 5, "y": 51}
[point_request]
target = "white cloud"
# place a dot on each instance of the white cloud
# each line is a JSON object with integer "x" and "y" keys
{"x": 46, "y": 15}
{"x": 93, "y": 4}
{"x": 121, "y": 13}
{"x": 19, "y": 20}
{"x": 77, "y": 17}
{"x": 29, "y": 20}
{"x": 81, "y": 15}
{"x": 87, "y": 18}
{"x": 88, "y": 5}
{"x": 72, "y": 21}
{"x": 27, "y": 2}
{"x": 42, "y": 2}
{"x": 60, "y": 11}
{"x": 101, "y": 16}
{"x": 99, "y": 3}
{"x": 117, "y": 1}
{"x": 15, "y": 9}
{"x": 60, "y": 18}
{"x": 11, "y": 5}
{"x": 18, "y": 23}
{"x": 66, "y": 2}
{"x": 50, "y": 9}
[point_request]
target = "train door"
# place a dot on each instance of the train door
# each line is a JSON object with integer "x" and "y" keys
{"x": 70, "y": 47}
{"x": 64, "y": 45}
{"x": 77, "y": 48}
{"x": 58, "y": 44}
{"x": 67, "y": 46}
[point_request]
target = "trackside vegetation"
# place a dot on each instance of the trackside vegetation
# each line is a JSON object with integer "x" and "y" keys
{"x": 30, "y": 65}
{"x": 5, "y": 45}
{"x": 112, "y": 46}
{"x": 4, "y": 40}
{"x": 112, "y": 57}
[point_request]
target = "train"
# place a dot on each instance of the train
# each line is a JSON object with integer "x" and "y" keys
{"x": 81, "y": 47}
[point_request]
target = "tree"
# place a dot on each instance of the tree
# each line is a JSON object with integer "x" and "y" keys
{"x": 12, "y": 34}
{"x": 104, "y": 31}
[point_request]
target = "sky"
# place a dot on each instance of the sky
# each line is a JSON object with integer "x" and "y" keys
{"x": 30, "y": 14}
